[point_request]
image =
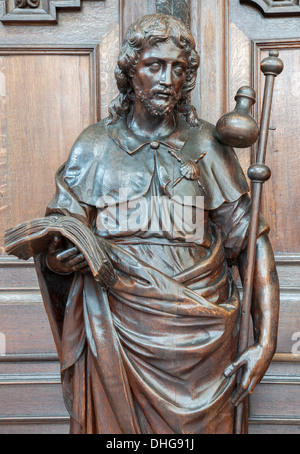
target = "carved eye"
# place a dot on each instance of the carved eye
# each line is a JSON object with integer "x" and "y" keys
{"x": 179, "y": 70}
{"x": 155, "y": 67}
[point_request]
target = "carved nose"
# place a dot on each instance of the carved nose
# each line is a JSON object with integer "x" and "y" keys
{"x": 166, "y": 78}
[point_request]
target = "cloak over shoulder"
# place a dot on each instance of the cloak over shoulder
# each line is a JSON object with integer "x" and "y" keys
{"x": 107, "y": 157}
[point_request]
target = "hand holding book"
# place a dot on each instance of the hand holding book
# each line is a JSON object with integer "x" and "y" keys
{"x": 65, "y": 261}
{"x": 45, "y": 235}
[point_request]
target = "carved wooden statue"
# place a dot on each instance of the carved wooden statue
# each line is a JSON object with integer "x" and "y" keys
{"x": 152, "y": 346}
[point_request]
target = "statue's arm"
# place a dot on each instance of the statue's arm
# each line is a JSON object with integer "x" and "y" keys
{"x": 61, "y": 258}
{"x": 265, "y": 309}
{"x": 265, "y": 306}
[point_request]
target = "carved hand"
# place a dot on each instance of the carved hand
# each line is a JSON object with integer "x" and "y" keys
{"x": 253, "y": 363}
{"x": 65, "y": 261}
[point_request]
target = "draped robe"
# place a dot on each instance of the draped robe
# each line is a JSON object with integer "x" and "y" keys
{"x": 148, "y": 355}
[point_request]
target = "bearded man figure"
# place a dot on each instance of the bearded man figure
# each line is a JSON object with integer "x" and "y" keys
{"x": 156, "y": 352}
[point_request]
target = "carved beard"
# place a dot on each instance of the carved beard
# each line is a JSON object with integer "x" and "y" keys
{"x": 155, "y": 107}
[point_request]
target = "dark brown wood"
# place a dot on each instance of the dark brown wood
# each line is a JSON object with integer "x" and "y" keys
{"x": 232, "y": 39}
{"x": 238, "y": 128}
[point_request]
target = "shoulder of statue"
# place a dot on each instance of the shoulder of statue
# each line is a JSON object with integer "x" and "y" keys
{"x": 221, "y": 173}
{"x": 93, "y": 134}
{"x": 92, "y": 141}
{"x": 205, "y": 134}
{"x": 203, "y": 139}
{"x": 90, "y": 147}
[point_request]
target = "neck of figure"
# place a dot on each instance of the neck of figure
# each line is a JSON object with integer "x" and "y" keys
{"x": 147, "y": 125}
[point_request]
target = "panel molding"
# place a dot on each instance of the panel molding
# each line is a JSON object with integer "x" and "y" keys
{"x": 257, "y": 47}
{"x": 34, "y": 11}
{"x": 91, "y": 50}
{"x": 20, "y": 296}
{"x": 287, "y": 259}
{"x": 55, "y": 379}
{"x": 266, "y": 420}
{"x": 45, "y": 357}
{"x": 29, "y": 358}
{"x": 253, "y": 420}
{"x": 287, "y": 238}
{"x": 280, "y": 380}
{"x": 275, "y": 420}
{"x": 12, "y": 420}
{"x": 9, "y": 260}
{"x": 29, "y": 379}
{"x": 286, "y": 358}
{"x": 276, "y": 8}
{"x": 81, "y": 56}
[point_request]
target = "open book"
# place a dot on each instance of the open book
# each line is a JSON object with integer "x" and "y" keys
{"x": 33, "y": 237}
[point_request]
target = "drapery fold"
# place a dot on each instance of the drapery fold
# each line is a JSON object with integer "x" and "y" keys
{"x": 143, "y": 354}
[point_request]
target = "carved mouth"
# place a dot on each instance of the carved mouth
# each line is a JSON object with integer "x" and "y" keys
{"x": 163, "y": 94}
{"x": 164, "y": 98}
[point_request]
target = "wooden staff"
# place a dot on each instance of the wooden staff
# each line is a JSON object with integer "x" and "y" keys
{"x": 258, "y": 173}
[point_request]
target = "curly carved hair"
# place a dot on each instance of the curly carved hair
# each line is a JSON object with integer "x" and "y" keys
{"x": 151, "y": 30}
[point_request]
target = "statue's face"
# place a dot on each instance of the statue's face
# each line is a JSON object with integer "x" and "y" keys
{"x": 159, "y": 77}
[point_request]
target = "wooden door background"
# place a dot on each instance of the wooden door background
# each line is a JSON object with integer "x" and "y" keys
{"x": 56, "y": 78}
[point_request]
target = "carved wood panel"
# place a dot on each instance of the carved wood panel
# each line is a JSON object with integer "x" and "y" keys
{"x": 177, "y": 8}
{"x": 274, "y": 405}
{"x": 209, "y": 24}
{"x": 283, "y": 143}
{"x": 34, "y": 11}
{"x": 131, "y": 10}
{"x": 276, "y": 8}
{"x": 63, "y": 102}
